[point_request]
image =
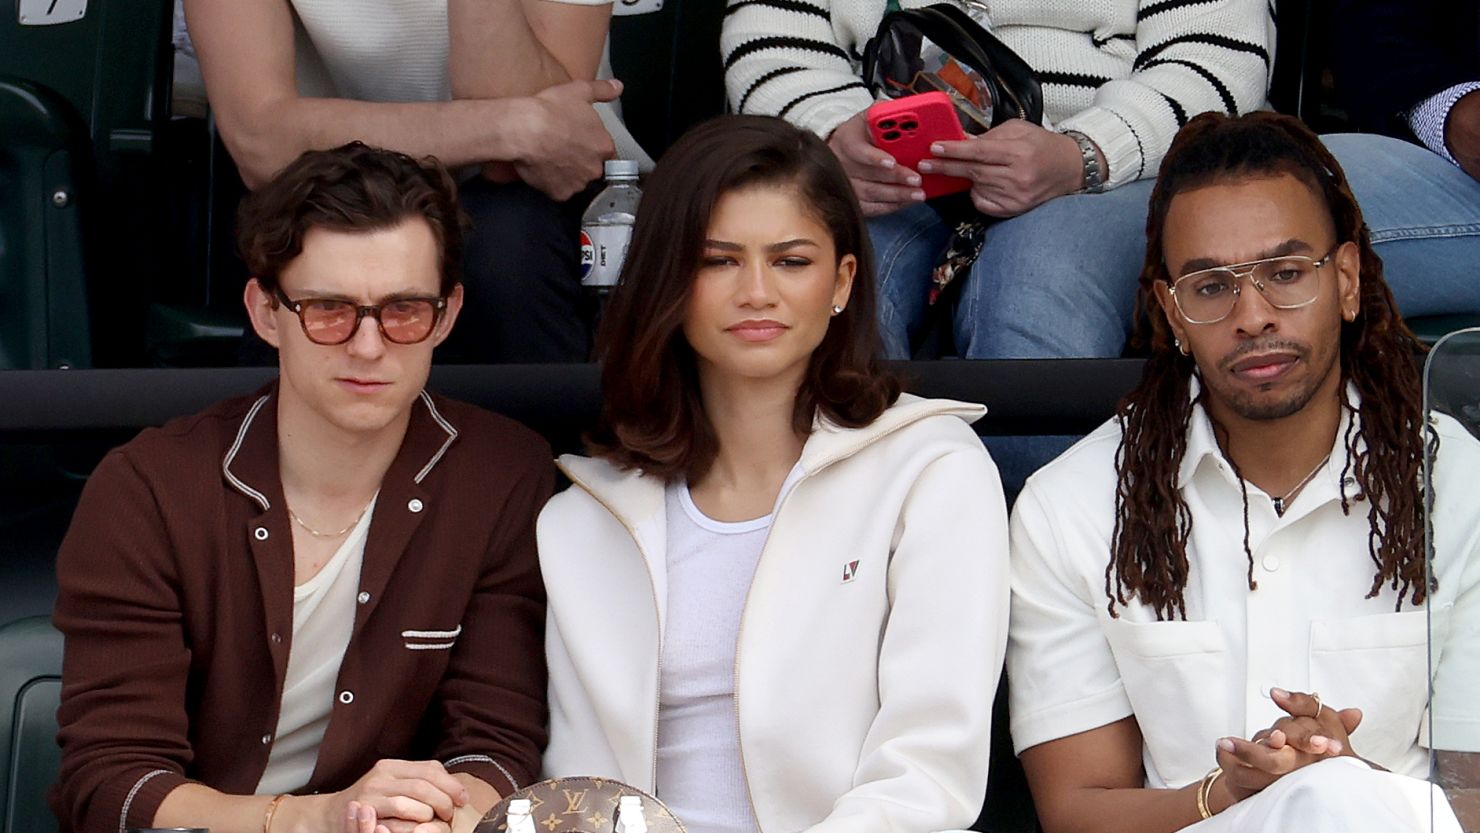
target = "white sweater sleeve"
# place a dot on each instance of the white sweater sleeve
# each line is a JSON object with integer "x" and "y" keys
{"x": 924, "y": 761}
{"x": 783, "y": 58}
{"x": 1192, "y": 56}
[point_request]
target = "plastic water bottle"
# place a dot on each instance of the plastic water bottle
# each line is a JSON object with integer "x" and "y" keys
{"x": 606, "y": 227}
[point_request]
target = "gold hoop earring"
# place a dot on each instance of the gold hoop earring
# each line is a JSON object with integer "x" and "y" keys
{"x": 1177, "y": 342}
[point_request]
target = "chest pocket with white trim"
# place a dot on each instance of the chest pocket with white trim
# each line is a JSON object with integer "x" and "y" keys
{"x": 431, "y": 640}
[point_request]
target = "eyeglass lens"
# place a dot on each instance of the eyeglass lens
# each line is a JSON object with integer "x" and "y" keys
{"x": 1210, "y": 294}
{"x": 334, "y": 322}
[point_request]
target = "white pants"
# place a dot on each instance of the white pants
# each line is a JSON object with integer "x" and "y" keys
{"x": 1341, "y": 795}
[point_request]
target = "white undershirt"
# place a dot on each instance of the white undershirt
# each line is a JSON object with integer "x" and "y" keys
{"x": 323, "y": 619}
{"x": 709, "y": 565}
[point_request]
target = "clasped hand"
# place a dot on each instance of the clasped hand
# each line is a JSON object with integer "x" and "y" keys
{"x": 1310, "y": 732}
{"x": 403, "y": 797}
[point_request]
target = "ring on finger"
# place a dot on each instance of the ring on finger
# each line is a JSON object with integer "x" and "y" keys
{"x": 1319, "y": 704}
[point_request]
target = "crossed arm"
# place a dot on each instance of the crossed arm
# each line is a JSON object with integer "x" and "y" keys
{"x": 520, "y": 70}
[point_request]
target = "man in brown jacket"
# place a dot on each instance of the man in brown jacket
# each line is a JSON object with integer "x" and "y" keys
{"x": 316, "y": 608}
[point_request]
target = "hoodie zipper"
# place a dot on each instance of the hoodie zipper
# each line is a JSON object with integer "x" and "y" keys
{"x": 739, "y": 638}
{"x": 653, "y": 588}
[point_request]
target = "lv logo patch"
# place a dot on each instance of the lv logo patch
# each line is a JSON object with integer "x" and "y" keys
{"x": 850, "y": 571}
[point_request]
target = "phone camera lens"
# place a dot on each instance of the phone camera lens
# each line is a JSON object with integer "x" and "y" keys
{"x": 887, "y": 124}
{"x": 891, "y": 135}
{"x": 910, "y": 125}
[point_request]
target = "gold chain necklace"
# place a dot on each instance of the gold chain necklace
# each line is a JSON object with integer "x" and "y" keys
{"x": 1282, "y": 503}
{"x": 317, "y": 534}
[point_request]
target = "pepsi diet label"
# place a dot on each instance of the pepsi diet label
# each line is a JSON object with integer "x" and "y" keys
{"x": 603, "y": 248}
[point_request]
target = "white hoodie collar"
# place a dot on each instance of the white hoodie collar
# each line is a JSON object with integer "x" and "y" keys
{"x": 633, "y": 498}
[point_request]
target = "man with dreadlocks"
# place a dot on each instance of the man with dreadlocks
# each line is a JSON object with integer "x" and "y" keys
{"x": 1247, "y": 531}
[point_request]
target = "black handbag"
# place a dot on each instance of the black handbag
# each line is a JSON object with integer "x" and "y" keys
{"x": 940, "y": 47}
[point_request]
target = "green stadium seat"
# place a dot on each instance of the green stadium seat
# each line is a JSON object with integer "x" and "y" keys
{"x": 30, "y": 689}
{"x": 106, "y": 76}
{"x": 43, "y": 289}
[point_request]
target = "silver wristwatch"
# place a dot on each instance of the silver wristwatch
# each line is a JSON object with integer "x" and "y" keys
{"x": 1094, "y": 178}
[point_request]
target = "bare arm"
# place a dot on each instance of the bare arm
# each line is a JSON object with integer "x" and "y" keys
{"x": 246, "y": 56}
{"x": 504, "y": 48}
{"x": 1093, "y": 781}
{"x": 401, "y": 794}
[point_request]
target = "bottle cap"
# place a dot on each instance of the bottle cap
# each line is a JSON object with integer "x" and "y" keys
{"x": 620, "y": 168}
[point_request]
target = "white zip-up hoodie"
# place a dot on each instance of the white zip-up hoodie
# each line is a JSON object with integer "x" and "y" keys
{"x": 870, "y": 644}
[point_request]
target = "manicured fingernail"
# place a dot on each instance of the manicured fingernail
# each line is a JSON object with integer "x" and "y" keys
{"x": 1278, "y": 692}
{"x": 1336, "y": 747}
{"x": 1225, "y": 744}
{"x": 462, "y": 798}
{"x": 914, "y": 180}
{"x": 351, "y": 810}
{"x": 886, "y": 162}
{"x": 1319, "y": 740}
{"x": 937, "y": 148}
{"x": 917, "y": 196}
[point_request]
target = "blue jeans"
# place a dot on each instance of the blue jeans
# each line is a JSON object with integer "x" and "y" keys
{"x": 1060, "y": 280}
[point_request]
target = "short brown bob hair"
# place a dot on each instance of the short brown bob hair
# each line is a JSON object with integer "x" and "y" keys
{"x": 353, "y": 187}
{"x": 652, "y": 416}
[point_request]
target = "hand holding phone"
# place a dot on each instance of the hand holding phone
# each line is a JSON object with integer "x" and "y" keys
{"x": 906, "y": 127}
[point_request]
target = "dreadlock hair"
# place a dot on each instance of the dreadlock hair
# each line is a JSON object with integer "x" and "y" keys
{"x": 1153, "y": 522}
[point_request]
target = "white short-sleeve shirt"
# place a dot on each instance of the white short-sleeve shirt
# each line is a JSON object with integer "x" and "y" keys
{"x": 1308, "y": 626}
{"x": 396, "y": 50}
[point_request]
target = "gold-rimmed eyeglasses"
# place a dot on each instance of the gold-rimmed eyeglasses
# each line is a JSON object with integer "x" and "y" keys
{"x": 331, "y": 321}
{"x": 1207, "y": 296}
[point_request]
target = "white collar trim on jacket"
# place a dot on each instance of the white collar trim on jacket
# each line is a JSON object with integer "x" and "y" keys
{"x": 632, "y": 498}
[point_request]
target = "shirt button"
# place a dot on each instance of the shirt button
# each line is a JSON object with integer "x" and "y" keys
{"x": 363, "y": 598}
{"x": 346, "y": 697}
{"x": 1271, "y": 562}
{"x": 260, "y": 533}
{"x": 266, "y": 739}
{"x": 415, "y": 505}
{"x": 277, "y": 639}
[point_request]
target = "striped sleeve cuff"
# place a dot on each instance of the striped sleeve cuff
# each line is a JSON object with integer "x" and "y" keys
{"x": 488, "y": 770}
{"x": 1428, "y": 118}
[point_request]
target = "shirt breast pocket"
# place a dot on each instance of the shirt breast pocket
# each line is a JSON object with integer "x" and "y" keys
{"x": 1380, "y": 665}
{"x": 1174, "y": 674}
{"x": 430, "y": 639}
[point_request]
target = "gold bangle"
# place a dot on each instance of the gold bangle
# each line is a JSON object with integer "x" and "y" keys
{"x": 272, "y": 807}
{"x": 1204, "y": 791}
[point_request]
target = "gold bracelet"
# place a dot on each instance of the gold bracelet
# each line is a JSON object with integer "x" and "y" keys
{"x": 1204, "y": 791}
{"x": 272, "y": 807}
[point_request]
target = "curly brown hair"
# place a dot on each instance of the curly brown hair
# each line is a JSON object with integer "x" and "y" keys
{"x": 1153, "y": 522}
{"x": 652, "y": 416}
{"x": 353, "y": 187}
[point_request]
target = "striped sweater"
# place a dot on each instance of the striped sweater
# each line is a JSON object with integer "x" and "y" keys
{"x": 1126, "y": 73}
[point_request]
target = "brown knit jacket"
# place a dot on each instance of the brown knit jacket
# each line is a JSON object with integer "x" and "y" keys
{"x": 176, "y": 600}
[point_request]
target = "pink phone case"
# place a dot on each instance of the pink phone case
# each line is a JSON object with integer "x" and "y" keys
{"x": 905, "y": 128}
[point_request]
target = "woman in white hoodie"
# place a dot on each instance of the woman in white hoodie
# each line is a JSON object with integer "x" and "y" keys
{"x": 778, "y": 591}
